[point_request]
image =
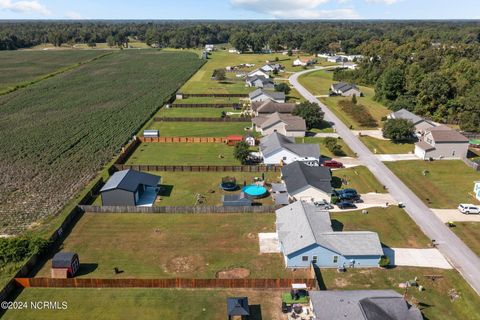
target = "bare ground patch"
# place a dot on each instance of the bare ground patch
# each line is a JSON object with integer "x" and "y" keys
{"x": 235, "y": 273}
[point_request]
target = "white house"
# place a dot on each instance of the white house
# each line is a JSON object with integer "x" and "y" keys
{"x": 277, "y": 149}
{"x": 286, "y": 124}
{"x": 209, "y": 47}
{"x": 442, "y": 142}
{"x": 259, "y": 82}
{"x": 233, "y": 51}
{"x": 264, "y": 95}
{"x": 335, "y": 59}
{"x": 350, "y": 65}
{"x": 258, "y": 72}
{"x": 302, "y": 62}
{"x": 345, "y": 89}
{"x": 270, "y": 67}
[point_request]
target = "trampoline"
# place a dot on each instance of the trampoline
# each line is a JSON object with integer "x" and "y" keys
{"x": 254, "y": 191}
{"x": 229, "y": 184}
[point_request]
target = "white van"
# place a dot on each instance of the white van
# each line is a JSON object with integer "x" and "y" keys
{"x": 468, "y": 208}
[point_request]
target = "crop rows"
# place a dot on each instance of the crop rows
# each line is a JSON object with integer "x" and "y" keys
{"x": 57, "y": 133}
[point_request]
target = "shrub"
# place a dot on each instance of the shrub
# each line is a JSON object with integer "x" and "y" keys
{"x": 282, "y": 87}
{"x": 398, "y": 129}
{"x": 241, "y": 152}
{"x": 17, "y": 249}
{"x": 333, "y": 146}
{"x": 311, "y": 112}
{"x": 384, "y": 262}
{"x": 359, "y": 113}
{"x": 334, "y": 200}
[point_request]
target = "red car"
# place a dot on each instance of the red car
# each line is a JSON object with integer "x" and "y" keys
{"x": 332, "y": 164}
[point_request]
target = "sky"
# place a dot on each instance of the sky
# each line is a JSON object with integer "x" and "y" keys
{"x": 240, "y": 9}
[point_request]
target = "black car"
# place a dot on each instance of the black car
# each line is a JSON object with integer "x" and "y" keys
{"x": 346, "y": 205}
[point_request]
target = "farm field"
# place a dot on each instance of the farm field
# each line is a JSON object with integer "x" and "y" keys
{"x": 196, "y": 112}
{"x": 147, "y": 304}
{"x": 174, "y": 245}
{"x": 359, "y": 178}
{"x": 469, "y": 232}
{"x": 183, "y": 154}
{"x": 434, "y": 301}
{"x": 24, "y": 66}
{"x": 447, "y": 183}
{"x": 323, "y": 149}
{"x": 199, "y": 129}
{"x": 55, "y": 137}
{"x": 387, "y": 146}
{"x": 393, "y": 225}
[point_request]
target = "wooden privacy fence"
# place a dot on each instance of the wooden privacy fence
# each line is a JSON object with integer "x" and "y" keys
{"x": 211, "y": 119}
{"x": 184, "y": 139}
{"x": 214, "y": 95}
{"x": 474, "y": 165}
{"x": 206, "y": 105}
{"x": 174, "y": 168}
{"x": 161, "y": 283}
{"x": 178, "y": 209}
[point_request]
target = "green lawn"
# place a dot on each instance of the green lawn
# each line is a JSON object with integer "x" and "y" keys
{"x": 173, "y": 245}
{"x": 359, "y": 178}
{"x": 318, "y": 82}
{"x": 448, "y": 183}
{"x": 153, "y": 153}
{"x": 193, "y": 100}
{"x": 393, "y": 225}
{"x": 323, "y": 149}
{"x": 434, "y": 301}
{"x": 181, "y": 188}
{"x": 144, "y": 303}
{"x": 199, "y": 129}
{"x": 469, "y": 232}
{"x": 196, "y": 112}
{"x": 387, "y": 146}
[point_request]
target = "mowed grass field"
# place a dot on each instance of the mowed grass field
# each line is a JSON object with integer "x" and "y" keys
{"x": 317, "y": 82}
{"x": 146, "y": 304}
{"x": 183, "y": 154}
{"x": 469, "y": 232}
{"x": 448, "y": 183}
{"x": 20, "y": 67}
{"x": 196, "y": 112}
{"x": 347, "y": 152}
{"x": 173, "y": 245}
{"x": 387, "y": 146}
{"x": 200, "y": 129}
{"x": 58, "y": 133}
{"x": 393, "y": 225}
{"x": 359, "y": 178}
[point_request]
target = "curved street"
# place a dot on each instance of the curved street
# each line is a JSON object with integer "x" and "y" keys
{"x": 458, "y": 254}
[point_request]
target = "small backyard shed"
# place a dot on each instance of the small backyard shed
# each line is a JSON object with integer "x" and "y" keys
{"x": 238, "y": 308}
{"x": 65, "y": 264}
{"x": 234, "y": 139}
{"x": 236, "y": 200}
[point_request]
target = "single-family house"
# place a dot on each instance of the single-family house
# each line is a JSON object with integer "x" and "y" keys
{"x": 286, "y": 124}
{"x": 335, "y": 59}
{"x": 442, "y": 142}
{"x": 307, "y": 183}
{"x": 258, "y": 72}
{"x": 264, "y": 95}
{"x": 271, "y": 67}
{"x": 345, "y": 89}
{"x": 302, "y": 62}
{"x": 130, "y": 188}
{"x": 259, "y": 82}
{"x": 234, "y": 51}
{"x": 306, "y": 237}
{"x": 277, "y": 148}
{"x": 362, "y": 305}
{"x": 350, "y": 65}
{"x": 209, "y": 47}
{"x": 420, "y": 123}
{"x": 269, "y": 106}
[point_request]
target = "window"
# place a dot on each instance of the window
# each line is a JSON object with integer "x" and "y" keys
{"x": 335, "y": 259}
{"x": 314, "y": 259}
{"x": 304, "y": 258}
{"x": 284, "y": 158}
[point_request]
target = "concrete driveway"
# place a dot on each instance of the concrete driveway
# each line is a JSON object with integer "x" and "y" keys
{"x": 349, "y": 162}
{"x": 397, "y": 157}
{"x": 377, "y": 133}
{"x": 427, "y": 258}
{"x": 268, "y": 242}
{"x": 454, "y": 215}
{"x": 326, "y": 135}
{"x": 370, "y": 200}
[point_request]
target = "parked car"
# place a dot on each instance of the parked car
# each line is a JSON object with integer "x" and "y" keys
{"x": 348, "y": 190}
{"x": 468, "y": 208}
{"x": 332, "y": 164}
{"x": 346, "y": 205}
{"x": 324, "y": 204}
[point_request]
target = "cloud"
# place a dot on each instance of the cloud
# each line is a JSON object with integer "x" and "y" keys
{"x": 383, "y": 1}
{"x": 28, "y": 6}
{"x": 73, "y": 15}
{"x": 299, "y": 9}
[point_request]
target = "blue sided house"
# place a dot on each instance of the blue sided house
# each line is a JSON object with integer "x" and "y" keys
{"x": 306, "y": 237}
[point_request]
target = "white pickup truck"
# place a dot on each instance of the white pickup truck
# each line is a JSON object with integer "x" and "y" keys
{"x": 468, "y": 208}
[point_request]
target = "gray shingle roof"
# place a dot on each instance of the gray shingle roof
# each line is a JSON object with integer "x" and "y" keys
{"x": 129, "y": 180}
{"x": 274, "y": 95}
{"x": 62, "y": 259}
{"x": 344, "y": 87}
{"x": 407, "y": 115}
{"x": 446, "y": 134}
{"x": 298, "y": 175}
{"x": 264, "y": 80}
{"x": 292, "y": 123}
{"x": 270, "y": 106}
{"x": 362, "y": 304}
{"x": 276, "y": 142}
{"x": 238, "y": 306}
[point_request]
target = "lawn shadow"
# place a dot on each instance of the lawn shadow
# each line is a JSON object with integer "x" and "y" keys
{"x": 473, "y": 154}
{"x": 225, "y": 82}
{"x": 336, "y": 225}
{"x": 390, "y": 253}
{"x": 319, "y": 278}
{"x": 255, "y": 312}
{"x": 86, "y": 268}
{"x": 165, "y": 190}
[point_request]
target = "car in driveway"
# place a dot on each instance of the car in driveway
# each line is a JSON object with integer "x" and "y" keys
{"x": 468, "y": 208}
{"x": 332, "y": 164}
{"x": 346, "y": 205}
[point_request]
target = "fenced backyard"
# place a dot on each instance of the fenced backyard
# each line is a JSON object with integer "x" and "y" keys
{"x": 210, "y": 119}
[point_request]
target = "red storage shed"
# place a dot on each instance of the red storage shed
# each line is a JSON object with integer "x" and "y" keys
{"x": 65, "y": 264}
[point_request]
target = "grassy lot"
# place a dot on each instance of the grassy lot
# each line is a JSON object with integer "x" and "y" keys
{"x": 181, "y": 187}
{"x": 359, "y": 178}
{"x": 318, "y": 82}
{"x": 469, "y": 232}
{"x": 201, "y": 82}
{"x": 387, "y": 146}
{"x": 195, "y": 112}
{"x": 140, "y": 303}
{"x": 323, "y": 149}
{"x": 393, "y": 225}
{"x": 434, "y": 301}
{"x": 448, "y": 183}
{"x": 199, "y": 129}
{"x": 207, "y": 100}
{"x": 173, "y": 245}
{"x": 21, "y": 67}
{"x": 183, "y": 154}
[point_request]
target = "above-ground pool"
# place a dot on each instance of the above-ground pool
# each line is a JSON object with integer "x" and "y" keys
{"x": 254, "y": 191}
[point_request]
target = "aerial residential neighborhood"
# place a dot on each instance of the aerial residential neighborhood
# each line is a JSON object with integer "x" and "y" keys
{"x": 268, "y": 169}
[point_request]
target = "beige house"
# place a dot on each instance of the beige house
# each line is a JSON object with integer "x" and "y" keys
{"x": 286, "y": 124}
{"x": 442, "y": 142}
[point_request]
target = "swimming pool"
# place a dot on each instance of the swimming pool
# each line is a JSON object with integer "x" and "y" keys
{"x": 254, "y": 191}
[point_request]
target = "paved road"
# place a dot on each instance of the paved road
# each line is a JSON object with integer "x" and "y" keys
{"x": 459, "y": 255}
